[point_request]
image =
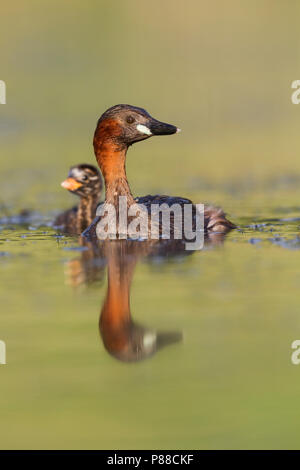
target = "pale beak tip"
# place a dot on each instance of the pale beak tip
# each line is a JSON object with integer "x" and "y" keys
{"x": 178, "y": 130}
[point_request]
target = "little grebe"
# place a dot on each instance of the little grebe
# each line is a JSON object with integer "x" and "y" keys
{"x": 117, "y": 129}
{"x": 85, "y": 181}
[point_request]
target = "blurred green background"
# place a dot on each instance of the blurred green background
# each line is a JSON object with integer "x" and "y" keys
{"x": 222, "y": 71}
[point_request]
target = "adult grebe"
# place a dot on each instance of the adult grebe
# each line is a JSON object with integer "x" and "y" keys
{"x": 117, "y": 129}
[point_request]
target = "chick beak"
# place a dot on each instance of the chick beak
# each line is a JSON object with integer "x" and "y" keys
{"x": 71, "y": 184}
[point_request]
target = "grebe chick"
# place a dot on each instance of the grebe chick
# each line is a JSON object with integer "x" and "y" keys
{"x": 85, "y": 181}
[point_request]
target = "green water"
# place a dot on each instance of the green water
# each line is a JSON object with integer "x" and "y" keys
{"x": 222, "y": 73}
{"x": 228, "y": 383}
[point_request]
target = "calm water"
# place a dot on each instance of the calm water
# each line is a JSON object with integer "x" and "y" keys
{"x": 198, "y": 357}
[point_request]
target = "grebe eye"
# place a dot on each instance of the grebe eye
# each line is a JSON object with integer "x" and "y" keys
{"x": 130, "y": 119}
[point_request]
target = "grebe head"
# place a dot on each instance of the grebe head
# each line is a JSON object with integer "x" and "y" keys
{"x": 125, "y": 124}
{"x": 84, "y": 180}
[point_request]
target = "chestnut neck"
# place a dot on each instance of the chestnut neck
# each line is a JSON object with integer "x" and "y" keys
{"x": 111, "y": 158}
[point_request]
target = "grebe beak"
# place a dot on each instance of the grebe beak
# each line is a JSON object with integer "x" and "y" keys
{"x": 161, "y": 128}
{"x": 71, "y": 184}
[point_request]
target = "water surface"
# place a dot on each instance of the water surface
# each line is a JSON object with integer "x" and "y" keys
{"x": 223, "y": 379}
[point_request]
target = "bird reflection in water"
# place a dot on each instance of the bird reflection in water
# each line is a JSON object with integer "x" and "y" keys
{"x": 122, "y": 337}
{"x": 88, "y": 269}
